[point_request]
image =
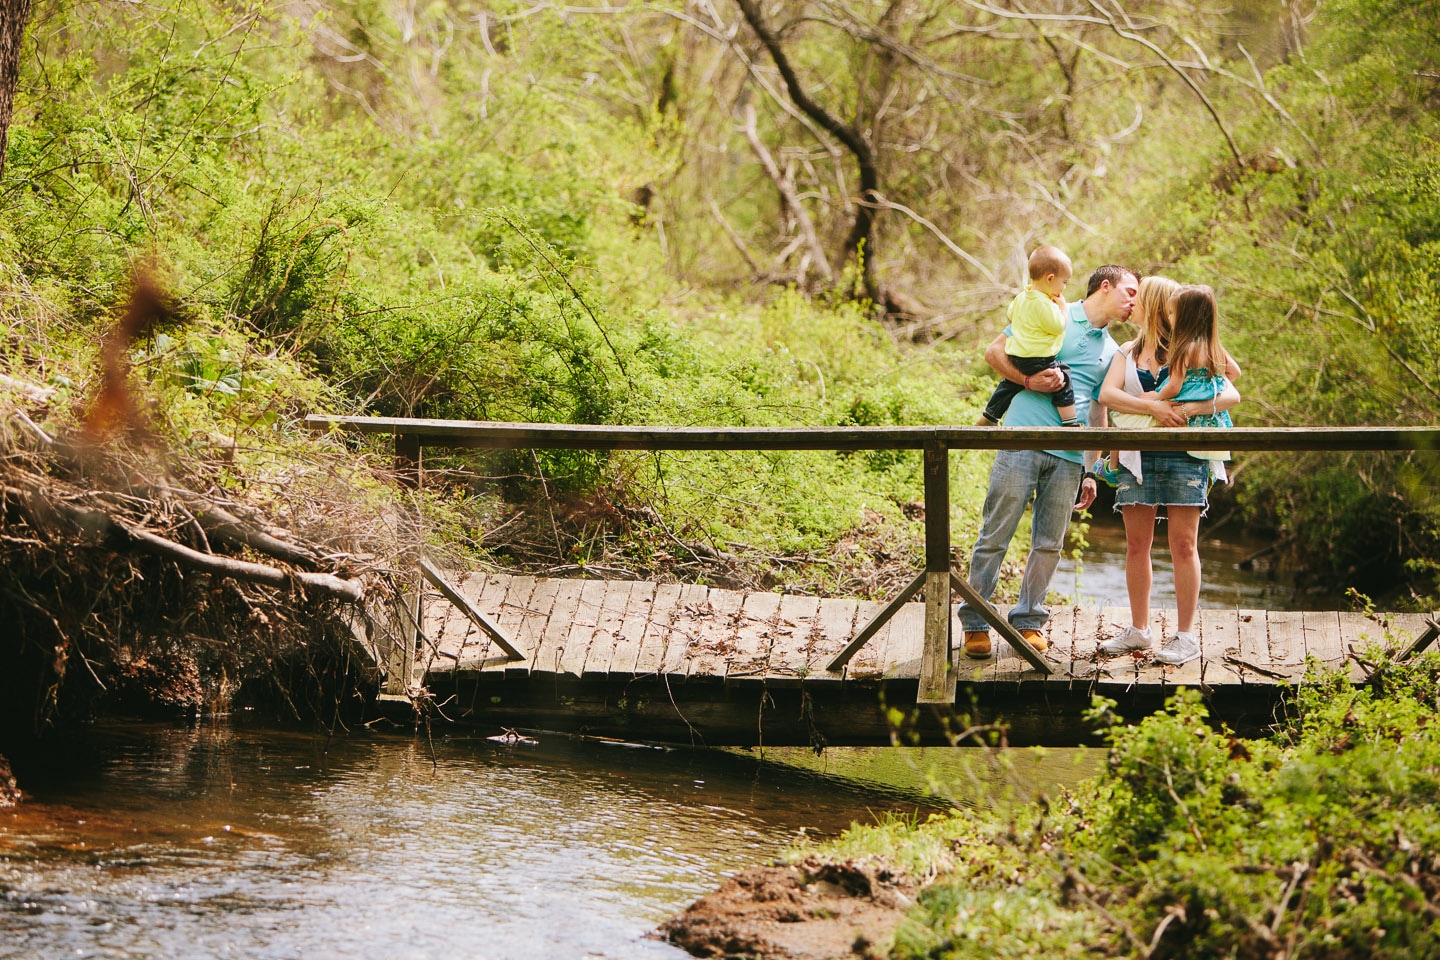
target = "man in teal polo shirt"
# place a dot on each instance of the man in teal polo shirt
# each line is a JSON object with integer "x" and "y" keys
{"x": 1049, "y": 478}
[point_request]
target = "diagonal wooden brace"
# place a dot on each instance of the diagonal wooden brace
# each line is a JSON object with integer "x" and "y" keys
{"x": 1001, "y": 625}
{"x": 470, "y": 610}
{"x": 1418, "y": 645}
{"x": 873, "y": 627}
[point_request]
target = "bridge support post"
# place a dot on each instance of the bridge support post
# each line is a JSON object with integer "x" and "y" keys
{"x": 407, "y": 459}
{"x": 937, "y": 680}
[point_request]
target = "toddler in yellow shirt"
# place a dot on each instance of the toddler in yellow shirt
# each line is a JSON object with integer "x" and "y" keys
{"x": 1037, "y": 332}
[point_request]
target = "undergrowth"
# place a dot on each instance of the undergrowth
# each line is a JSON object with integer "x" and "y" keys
{"x": 1319, "y": 841}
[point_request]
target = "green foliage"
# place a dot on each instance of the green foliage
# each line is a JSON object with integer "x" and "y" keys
{"x": 346, "y": 228}
{"x": 1320, "y": 842}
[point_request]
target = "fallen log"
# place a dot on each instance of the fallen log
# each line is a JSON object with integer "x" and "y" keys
{"x": 222, "y": 525}
{"x": 337, "y": 587}
{"x": 100, "y": 522}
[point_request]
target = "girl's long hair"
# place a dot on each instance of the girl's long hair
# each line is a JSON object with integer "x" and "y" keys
{"x": 1195, "y": 335}
{"x": 1152, "y": 317}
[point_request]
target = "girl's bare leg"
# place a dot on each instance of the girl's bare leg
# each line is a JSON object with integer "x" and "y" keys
{"x": 1139, "y": 571}
{"x": 1184, "y": 523}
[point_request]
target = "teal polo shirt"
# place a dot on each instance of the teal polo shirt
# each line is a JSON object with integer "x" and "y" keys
{"x": 1087, "y": 352}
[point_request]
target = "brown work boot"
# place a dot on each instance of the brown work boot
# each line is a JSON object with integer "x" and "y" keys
{"x": 977, "y": 644}
{"x": 1036, "y": 639}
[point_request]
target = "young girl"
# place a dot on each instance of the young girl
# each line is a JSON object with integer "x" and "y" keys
{"x": 1198, "y": 364}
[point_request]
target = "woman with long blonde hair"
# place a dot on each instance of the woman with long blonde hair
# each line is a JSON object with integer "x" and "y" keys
{"x": 1147, "y": 481}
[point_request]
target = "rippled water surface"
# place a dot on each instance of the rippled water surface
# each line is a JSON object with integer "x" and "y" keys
{"x": 220, "y": 841}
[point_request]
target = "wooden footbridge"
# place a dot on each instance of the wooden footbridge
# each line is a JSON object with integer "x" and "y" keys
{"x": 694, "y": 664}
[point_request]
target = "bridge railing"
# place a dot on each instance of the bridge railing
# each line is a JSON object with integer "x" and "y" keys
{"x": 937, "y": 678}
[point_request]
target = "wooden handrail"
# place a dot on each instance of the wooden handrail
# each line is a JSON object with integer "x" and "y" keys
{"x": 495, "y": 435}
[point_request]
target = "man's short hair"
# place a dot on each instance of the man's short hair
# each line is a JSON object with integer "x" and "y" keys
{"x": 1112, "y": 272}
{"x": 1048, "y": 260}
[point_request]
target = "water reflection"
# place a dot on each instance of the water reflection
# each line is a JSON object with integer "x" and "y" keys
{"x": 216, "y": 842}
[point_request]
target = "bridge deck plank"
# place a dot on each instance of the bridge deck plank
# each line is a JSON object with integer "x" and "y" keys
{"x": 650, "y": 658}
{"x": 453, "y": 634}
{"x": 1360, "y": 632}
{"x": 1402, "y": 628}
{"x": 557, "y": 627}
{"x": 488, "y": 596}
{"x": 1090, "y": 627}
{"x": 1219, "y": 638}
{"x": 1323, "y": 639}
{"x": 907, "y": 643}
{"x": 608, "y": 621}
{"x": 834, "y": 625}
{"x": 869, "y": 660}
{"x": 788, "y": 662}
{"x": 507, "y": 613}
{"x": 715, "y": 628}
{"x": 1060, "y": 640}
{"x": 631, "y": 630}
{"x": 583, "y": 625}
{"x": 755, "y": 632}
{"x": 1285, "y": 630}
{"x": 1254, "y": 648}
{"x": 684, "y": 636}
{"x": 534, "y": 617}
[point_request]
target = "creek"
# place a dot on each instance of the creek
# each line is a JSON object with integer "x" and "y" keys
{"x": 231, "y": 838}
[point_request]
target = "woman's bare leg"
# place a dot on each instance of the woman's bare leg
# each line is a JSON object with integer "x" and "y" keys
{"x": 1139, "y": 571}
{"x": 1184, "y": 523}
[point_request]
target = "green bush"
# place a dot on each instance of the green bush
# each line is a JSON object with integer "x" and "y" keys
{"x": 1322, "y": 841}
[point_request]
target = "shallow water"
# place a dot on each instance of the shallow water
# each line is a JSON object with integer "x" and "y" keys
{"x": 223, "y": 840}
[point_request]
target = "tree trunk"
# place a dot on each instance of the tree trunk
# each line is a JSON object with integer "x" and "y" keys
{"x": 860, "y": 242}
{"x": 14, "y": 15}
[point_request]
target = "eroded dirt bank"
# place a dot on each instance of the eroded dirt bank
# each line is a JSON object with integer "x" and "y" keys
{"x": 816, "y": 909}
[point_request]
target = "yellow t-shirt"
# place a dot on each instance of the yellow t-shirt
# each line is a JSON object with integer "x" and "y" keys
{"x": 1037, "y": 325}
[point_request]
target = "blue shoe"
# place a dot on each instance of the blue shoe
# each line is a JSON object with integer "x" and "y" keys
{"x": 1105, "y": 473}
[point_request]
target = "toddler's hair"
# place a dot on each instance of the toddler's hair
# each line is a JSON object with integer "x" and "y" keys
{"x": 1047, "y": 260}
{"x": 1195, "y": 332}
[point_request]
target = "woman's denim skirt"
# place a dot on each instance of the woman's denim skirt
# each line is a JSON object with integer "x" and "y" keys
{"x": 1171, "y": 480}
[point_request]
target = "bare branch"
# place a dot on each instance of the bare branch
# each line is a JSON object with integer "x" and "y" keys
{"x": 787, "y": 190}
{"x": 955, "y": 248}
{"x": 1127, "y": 32}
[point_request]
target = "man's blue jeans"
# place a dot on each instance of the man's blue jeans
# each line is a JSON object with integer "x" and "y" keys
{"x": 1018, "y": 477}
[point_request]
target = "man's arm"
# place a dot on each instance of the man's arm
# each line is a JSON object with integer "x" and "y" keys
{"x": 1046, "y": 381}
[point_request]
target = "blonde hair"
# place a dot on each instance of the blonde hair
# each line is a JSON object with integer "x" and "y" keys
{"x": 1195, "y": 334}
{"x": 1152, "y": 316}
{"x": 1048, "y": 260}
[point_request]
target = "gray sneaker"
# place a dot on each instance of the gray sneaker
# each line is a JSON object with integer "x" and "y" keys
{"x": 1127, "y": 642}
{"x": 1179, "y": 648}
